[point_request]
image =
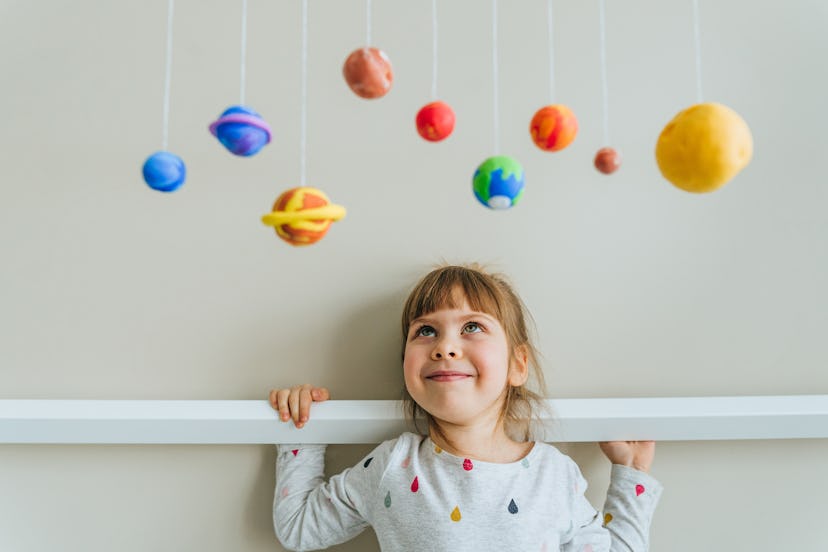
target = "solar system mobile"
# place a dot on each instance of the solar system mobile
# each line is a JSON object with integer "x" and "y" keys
{"x": 702, "y": 148}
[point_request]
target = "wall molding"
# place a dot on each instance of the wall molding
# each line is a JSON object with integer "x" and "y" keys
{"x": 343, "y": 422}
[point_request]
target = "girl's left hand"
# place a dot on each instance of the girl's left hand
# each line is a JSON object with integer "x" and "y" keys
{"x": 634, "y": 454}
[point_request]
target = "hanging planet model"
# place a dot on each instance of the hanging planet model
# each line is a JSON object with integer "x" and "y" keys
{"x": 704, "y": 147}
{"x": 303, "y": 215}
{"x": 368, "y": 73}
{"x": 164, "y": 171}
{"x": 607, "y": 160}
{"x": 498, "y": 182}
{"x": 553, "y": 127}
{"x": 435, "y": 121}
{"x": 241, "y": 130}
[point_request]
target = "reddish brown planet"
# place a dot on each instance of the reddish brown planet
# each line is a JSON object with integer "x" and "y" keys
{"x": 607, "y": 160}
{"x": 368, "y": 72}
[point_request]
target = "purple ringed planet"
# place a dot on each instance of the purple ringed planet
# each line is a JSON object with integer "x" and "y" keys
{"x": 257, "y": 122}
{"x": 329, "y": 212}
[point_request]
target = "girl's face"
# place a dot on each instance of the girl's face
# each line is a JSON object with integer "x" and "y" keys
{"x": 457, "y": 365}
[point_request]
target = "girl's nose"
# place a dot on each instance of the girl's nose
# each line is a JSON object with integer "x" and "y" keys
{"x": 445, "y": 350}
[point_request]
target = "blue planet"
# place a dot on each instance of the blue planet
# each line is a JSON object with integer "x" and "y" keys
{"x": 498, "y": 182}
{"x": 164, "y": 171}
{"x": 241, "y": 130}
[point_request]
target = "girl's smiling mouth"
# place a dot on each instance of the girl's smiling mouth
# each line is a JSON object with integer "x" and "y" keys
{"x": 447, "y": 375}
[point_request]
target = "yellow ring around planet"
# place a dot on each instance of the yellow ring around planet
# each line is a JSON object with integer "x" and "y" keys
{"x": 329, "y": 212}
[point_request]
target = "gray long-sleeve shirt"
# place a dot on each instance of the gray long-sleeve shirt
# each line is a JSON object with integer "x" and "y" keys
{"x": 418, "y": 497}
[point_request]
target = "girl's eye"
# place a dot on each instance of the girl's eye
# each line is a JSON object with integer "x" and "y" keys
{"x": 472, "y": 327}
{"x": 426, "y": 331}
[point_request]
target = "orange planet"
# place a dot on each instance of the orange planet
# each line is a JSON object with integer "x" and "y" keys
{"x": 303, "y": 215}
{"x": 553, "y": 127}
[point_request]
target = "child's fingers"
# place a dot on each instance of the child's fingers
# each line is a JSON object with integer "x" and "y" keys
{"x": 320, "y": 394}
{"x": 282, "y": 404}
{"x": 293, "y": 404}
{"x": 305, "y": 401}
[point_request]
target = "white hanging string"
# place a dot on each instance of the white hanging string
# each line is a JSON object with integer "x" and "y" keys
{"x": 368, "y": 22}
{"x": 697, "y": 35}
{"x": 495, "y": 79}
{"x": 433, "y": 49}
{"x": 604, "y": 88}
{"x": 165, "y": 117}
{"x": 550, "y": 34}
{"x": 243, "y": 50}
{"x": 303, "y": 137}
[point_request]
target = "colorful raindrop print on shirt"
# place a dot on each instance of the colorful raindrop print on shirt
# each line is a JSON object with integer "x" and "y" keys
{"x": 639, "y": 490}
{"x": 455, "y": 514}
{"x": 607, "y": 518}
{"x": 415, "y": 485}
{"x": 365, "y": 465}
{"x": 467, "y": 464}
{"x": 388, "y": 500}
{"x": 513, "y": 509}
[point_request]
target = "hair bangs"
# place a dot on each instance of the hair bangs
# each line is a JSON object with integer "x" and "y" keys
{"x": 448, "y": 289}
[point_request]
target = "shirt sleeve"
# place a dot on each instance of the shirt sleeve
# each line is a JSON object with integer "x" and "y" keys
{"x": 586, "y": 534}
{"x": 628, "y": 511}
{"x": 310, "y": 513}
{"x": 625, "y": 526}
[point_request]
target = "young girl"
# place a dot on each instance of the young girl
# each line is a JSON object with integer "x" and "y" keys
{"x": 476, "y": 481}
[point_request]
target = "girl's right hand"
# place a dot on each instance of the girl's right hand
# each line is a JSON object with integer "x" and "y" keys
{"x": 295, "y": 402}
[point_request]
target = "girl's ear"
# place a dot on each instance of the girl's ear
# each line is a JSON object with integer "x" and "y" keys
{"x": 519, "y": 366}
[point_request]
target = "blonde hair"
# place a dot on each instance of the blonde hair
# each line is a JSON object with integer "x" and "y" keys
{"x": 492, "y": 294}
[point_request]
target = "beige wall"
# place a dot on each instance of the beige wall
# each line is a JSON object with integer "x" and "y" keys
{"x": 110, "y": 290}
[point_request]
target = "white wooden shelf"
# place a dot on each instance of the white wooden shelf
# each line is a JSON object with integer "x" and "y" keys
{"x": 340, "y": 422}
